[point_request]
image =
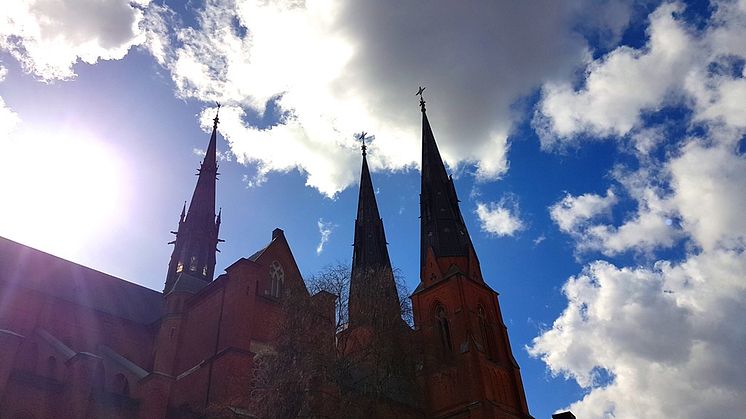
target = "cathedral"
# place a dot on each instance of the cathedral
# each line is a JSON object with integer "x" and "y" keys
{"x": 77, "y": 343}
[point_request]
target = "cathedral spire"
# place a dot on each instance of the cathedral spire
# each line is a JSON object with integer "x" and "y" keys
{"x": 372, "y": 286}
{"x": 197, "y": 235}
{"x": 442, "y": 227}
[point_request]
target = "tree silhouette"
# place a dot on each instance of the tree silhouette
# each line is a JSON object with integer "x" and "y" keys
{"x": 323, "y": 367}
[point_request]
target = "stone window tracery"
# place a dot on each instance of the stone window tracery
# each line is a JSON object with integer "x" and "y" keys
{"x": 277, "y": 278}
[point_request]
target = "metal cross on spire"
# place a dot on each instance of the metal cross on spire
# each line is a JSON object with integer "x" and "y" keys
{"x": 216, "y": 119}
{"x": 422, "y": 100}
{"x": 362, "y": 137}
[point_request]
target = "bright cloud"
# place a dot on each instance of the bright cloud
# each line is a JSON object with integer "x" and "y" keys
{"x": 572, "y": 211}
{"x": 649, "y": 227}
{"x": 499, "y": 218}
{"x": 346, "y": 65}
{"x": 658, "y": 340}
{"x": 325, "y": 231}
{"x": 606, "y": 106}
{"x": 48, "y": 36}
{"x": 709, "y": 184}
{"x": 663, "y": 334}
{"x": 678, "y": 63}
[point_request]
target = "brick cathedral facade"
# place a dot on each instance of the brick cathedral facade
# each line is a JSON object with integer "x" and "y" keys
{"x": 77, "y": 343}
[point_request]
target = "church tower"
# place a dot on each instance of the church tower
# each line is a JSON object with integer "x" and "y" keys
{"x": 372, "y": 288}
{"x": 197, "y": 235}
{"x": 468, "y": 366}
{"x": 192, "y": 264}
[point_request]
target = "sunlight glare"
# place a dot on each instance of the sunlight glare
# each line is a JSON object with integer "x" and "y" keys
{"x": 61, "y": 190}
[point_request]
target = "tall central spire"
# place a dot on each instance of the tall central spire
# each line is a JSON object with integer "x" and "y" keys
{"x": 372, "y": 286}
{"x": 197, "y": 235}
{"x": 442, "y": 227}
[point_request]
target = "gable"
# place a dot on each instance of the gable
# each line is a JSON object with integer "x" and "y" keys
{"x": 278, "y": 252}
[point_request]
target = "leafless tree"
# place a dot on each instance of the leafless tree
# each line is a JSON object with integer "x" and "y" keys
{"x": 323, "y": 367}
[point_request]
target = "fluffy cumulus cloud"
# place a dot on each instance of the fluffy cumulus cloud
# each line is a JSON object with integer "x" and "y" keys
{"x": 48, "y": 36}
{"x": 327, "y": 69}
{"x": 658, "y": 339}
{"x": 572, "y": 211}
{"x": 499, "y": 218}
{"x": 648, "y": 227}
{"x": 605, "y": 105}
{"x": 665, "y": 335}
{"x": 709, "y": 184}
{"x": 679, "y": 64}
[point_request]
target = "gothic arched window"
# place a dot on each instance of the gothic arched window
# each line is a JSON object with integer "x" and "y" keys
{"x": 443, "y": 328}
{"x": 277, "y": 278}
{"x": 484, "y": 330}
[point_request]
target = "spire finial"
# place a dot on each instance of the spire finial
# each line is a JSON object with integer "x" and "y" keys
{"x": 216, "y": 119}
{"x": 362, "y": 137}
{"x": 422, "y": 100}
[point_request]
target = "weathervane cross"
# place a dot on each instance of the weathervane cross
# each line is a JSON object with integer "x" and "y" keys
{"x": 361, "y": 137}
{"x": 422, "y": 100}
{"x": 216, "y": 119}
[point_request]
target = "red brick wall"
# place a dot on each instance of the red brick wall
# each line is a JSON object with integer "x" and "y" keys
{"x": 474, "y": 370}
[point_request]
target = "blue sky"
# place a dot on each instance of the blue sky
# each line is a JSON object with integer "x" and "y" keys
{"x": 597, "y": 147}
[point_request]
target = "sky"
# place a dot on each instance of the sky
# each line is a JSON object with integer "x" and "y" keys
{"x": 597, "y": 148}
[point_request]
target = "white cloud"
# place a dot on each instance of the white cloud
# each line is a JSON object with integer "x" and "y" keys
{"x": 222, "y": 156}
{"x": 346, "y": 65}
{"x": 325, "y": 230}
{"x": 659, "y": 340}
{"x": 648, "y": 228}
{"x": 606, "y": 106}
{"x": 48, "y": 36}
{"x": 663, "y": 333}
{"x": 499, "y": 218}
{"x": 287, "y": 147}
{"x": 674, "y": 67}
{"x": 709, "y": 185}
{"x": 666, "y": 335}
{"x": 718, "y": 94}
{"x": 571, "y": 211}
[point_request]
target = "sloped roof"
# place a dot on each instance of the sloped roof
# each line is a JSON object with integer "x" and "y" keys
{"x": 23, "y": 266}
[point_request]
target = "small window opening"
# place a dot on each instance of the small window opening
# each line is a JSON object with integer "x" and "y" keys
{"x": 443, "y": 329}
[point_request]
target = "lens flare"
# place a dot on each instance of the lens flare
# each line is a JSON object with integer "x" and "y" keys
{"x": 60, "y": 190}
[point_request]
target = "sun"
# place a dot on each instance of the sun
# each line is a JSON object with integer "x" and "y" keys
{"x": 60, "y": 189}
